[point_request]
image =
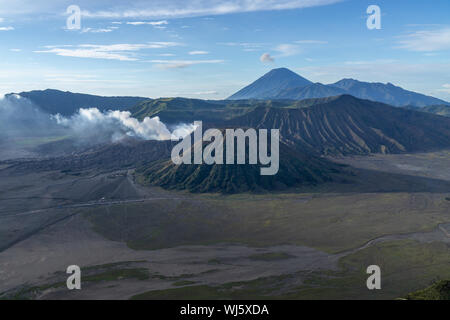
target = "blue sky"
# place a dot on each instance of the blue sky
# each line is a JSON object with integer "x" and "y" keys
{"x": 210, "y": 49}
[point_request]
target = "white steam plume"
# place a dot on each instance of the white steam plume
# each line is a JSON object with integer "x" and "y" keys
{"x": 24, "y": 126}
{"x": 19, "y": 117}
{"x": 98, "y": 127}
{"x": 21, "y": 122}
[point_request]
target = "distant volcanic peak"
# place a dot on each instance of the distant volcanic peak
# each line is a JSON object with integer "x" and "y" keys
{"x": 270, "y": 84}
{"x": 284, "y": 72}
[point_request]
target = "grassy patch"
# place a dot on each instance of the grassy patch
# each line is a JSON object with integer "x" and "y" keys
{"x": 405, "y": 265}
{"x": 119, "y": 274}
{"x": 214, "y": 261}
{"x": 263, "y": 288}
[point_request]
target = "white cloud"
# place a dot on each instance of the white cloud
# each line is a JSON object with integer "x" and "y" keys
{"x": 287, "y": 50}
{"x": 246, "y": 46}
{"x": 76, "y": 78}
{"x": 178, "y": 64}
{"x": 177, "y": 8}
{"x": 266, "y": 58}
{"x": 372, "y": 62}
{"x": 155, "y": 9}
{"x": 445, "y": 88}
{"x": 311, "y": 42}
{"x": 193, "y": 53}
{"x": 151, "y": 23}
{"x": 120, "y": 52}
{"x": 6, "y": 28}
{"x": 427, "y": 40}
{"x": 377, "y": 70}
{"x": 203, "y": 93}
{"x": 88, "y": 53}
{"x": 194, "y": 94}
{"x": 15, "y": 50}
{"x": 104, "y": 30}
{"x": 242, "y": 44}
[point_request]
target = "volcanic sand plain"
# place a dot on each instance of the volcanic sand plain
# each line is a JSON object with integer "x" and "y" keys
{"x": 147, "y": 243}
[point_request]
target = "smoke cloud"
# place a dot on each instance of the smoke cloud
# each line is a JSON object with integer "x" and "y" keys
{"x": 24, "y": 126}
{"x": 21, "y": 122}
{"x": 115, "y": 125}
{"x": 266, "y": 58}
{"x": 19, "y": 118}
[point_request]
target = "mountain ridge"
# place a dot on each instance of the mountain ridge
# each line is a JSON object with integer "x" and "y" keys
{"x": 375, "y": 91}
{"x": 386, "y": 93}
{"x": 337, "y": 125}
{"x": 348, "y": 125}
{"x": 66, "y": 103}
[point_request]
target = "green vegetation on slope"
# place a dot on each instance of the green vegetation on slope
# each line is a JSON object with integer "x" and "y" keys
{"x": 263, "y": 288}
{"x": 442, "y": 110}
{"x": 347, "y": 125}
{"x": 295, "y": 169}
{"x": 182, "y": 110}
{"x": 437, "y": 291}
